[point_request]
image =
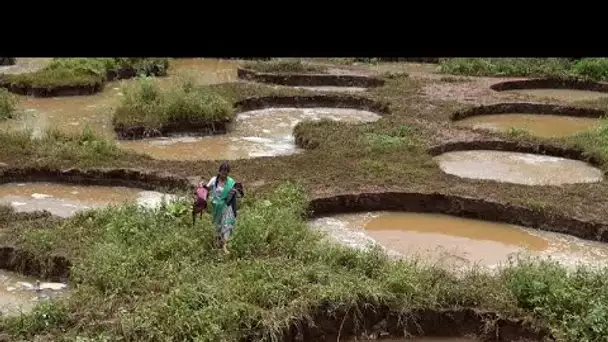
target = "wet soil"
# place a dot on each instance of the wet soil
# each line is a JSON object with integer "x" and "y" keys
{"x": 519, "y": 168}
{"x": 21, "y": 294}
{"x": 456, "y": 242}
{"x": 258, "y": 133}
{"x": 541, "y": 125}
{"x": 65, "y": 200}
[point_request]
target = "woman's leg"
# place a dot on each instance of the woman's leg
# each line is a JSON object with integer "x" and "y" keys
{"x": 227, "y": 227}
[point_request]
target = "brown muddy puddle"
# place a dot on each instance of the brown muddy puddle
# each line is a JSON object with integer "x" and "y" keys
{"x": 454, "y": 241}
{"x": 519, "y": 168}
{"x": 72, "y": 114}
{"x": 259, "y": 133}
{"x": 65, "y": 200}
{"x": 568, "y": 95}
{"x": 21, "y": 294}
{"x": 541, "y": 125}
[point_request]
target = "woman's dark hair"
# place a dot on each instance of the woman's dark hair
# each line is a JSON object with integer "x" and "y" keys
{"x": 224, "y": 166}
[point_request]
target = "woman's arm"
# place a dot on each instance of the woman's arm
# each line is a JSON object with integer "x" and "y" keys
{"x": 209, "y": 183}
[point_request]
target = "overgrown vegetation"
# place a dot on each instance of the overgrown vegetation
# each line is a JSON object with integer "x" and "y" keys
{"x": 55, "y": 147}
{"x": 8, "y": 105}
{"x": 594, "y": 141}
{"x": 145, "y": 104}
{"x": 285, "y": 66}
{"x": 148, "y": 275}
{"x": 585, "y": 68}
{"x": 84, "y": 72}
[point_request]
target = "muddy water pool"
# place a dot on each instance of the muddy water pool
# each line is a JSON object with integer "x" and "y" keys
{"x": 73, "y": 113}
{"x": 568, "y": 95}
{"x": 456, "y": 242}
{"x": 259, "y": 133}
{"x": 65, "y": 200}
{"x": 542, "y": 125}
{"x": 20, "y": 294}
{"x": 519, "y": 168}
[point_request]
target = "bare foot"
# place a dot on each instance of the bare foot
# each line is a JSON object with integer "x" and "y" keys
{"x": 225, "y": 248}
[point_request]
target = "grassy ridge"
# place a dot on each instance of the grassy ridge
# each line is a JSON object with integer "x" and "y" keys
{"x": 55, "y": 147}
{"x": 585, "y": 68}
{"x": 279, "y": 272}
{"x": 284, "y": 66}
{"x": 146, "y": 104}
{"x": 594, "y": 142}
{"x": 83, "y": 72}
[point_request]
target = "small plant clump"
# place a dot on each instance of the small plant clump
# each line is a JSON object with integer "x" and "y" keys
{"x": 594, "y": 141}
{"x": 583, "y": 68}
{"x": 8, "y": 104}
{"x": 91, "y": 73}
{"x": 145, "y": 104}
{"x": 284, "y": 66}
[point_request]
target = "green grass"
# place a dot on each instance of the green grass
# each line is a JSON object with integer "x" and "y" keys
{"x": 284, "y": 66}
{"x": 148, "y": 275}
{"x": 8, "y": 105}
{"x": 585, "y": 68}
{"x": 594, "y": 141}
{"x": 145, "y": 104}
{"x": 56, "y": 148}
{"x": 100, "y": 66}
{"x": 52, "y": 78}
{"x": 80, "y": 72}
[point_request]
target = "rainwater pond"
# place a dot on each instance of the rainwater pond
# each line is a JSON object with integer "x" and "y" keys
{"x": 454, "y": 241}
{"x": 64, "y": 200}
{"x": 541, "y": 125}
{"x": 258, "y": 133}
{"x": 21, "y": 294}
{"x": 518, "y": 168}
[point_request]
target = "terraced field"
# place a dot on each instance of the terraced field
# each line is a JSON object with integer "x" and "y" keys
{"x": 463, "y": 198}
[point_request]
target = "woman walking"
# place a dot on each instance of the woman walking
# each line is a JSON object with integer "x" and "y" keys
{"x": 223, "y": 191}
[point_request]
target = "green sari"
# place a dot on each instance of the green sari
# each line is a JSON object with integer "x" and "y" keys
{"x": 222, "y": 214}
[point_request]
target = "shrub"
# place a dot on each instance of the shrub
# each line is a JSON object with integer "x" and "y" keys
{"x": 593, "y": 68}
{"x": 84, "y": 72}
{"x": 510, "y": 67}
{"x": 285, "y": 66}
{"x": 8, "y": 103}
{"x": 144, "y": 103}
{"x": 584, "y": 68}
